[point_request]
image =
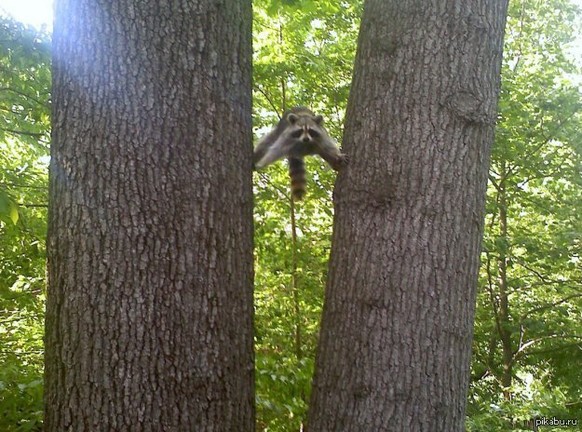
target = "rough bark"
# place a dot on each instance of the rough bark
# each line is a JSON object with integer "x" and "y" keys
{"x": 149, "y": 310}
{"x": 396, "y": 333}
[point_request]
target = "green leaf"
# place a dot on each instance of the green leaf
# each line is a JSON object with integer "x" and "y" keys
{"x": 8, "y": 207}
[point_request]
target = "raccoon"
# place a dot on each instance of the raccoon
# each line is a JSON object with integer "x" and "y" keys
{"x": 298, "y": 134}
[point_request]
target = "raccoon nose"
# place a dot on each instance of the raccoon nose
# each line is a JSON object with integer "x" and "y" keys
{"x": 305, "y": 139}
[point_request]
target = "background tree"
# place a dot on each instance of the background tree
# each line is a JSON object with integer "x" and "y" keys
{"x": 396, "y": 331}
{"x": 528, "y": 331}
{"x": 149, "y": 309}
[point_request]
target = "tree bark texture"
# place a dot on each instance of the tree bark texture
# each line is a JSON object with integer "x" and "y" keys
{"x": 149, "y": 310}
{"x": 395, "y": 341}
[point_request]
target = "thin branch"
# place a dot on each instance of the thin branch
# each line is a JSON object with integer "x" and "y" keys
{"x": 284, "y": 194}
{"x": 260, "y": 90}
{"x": 554, "y": 349}
{"x": 522, "y": 348}
{"x": 17, "y": 132}
{"x": 18, "y": 185}
{"x": 548, "y": 306}
{"x": 27, "y": 96}
{"x": 33, "y": 205}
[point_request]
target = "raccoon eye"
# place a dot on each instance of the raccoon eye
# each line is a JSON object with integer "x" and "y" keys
{"x": 314, "y": 134}
{"x": 296, "y": 134}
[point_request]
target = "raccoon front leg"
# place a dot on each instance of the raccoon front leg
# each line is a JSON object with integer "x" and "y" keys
{"x": 263, "y": 147}
{"x": 274, "y": 152}
{"x": 332, "y": 155}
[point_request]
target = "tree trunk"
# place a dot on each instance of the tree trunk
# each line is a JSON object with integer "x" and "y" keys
{"x": 504, "y": 326}
{"x": 396, "y": 333}
{"x": 149, "y": 310}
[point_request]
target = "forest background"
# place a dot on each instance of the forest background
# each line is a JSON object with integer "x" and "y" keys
{"x": 527, "y": 348}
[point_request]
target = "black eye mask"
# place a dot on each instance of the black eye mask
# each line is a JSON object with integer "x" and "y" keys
{"x": 296, "y": 134}
{"x": 314, "y": 134}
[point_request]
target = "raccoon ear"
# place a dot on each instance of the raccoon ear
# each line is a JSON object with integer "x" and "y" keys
{"x": 318, "y": 119}
{"x": 292, "y": 118}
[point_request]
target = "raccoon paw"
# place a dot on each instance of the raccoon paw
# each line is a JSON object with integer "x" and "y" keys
{"x": 342, "y": 161}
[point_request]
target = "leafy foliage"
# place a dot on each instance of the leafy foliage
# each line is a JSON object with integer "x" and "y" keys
{"x": 24, "y": 132}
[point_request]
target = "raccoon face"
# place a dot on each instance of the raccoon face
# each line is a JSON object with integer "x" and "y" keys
{"x": 304, "y": 128}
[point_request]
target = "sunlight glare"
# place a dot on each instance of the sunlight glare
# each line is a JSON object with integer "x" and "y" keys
{"x": 33, "y": 12}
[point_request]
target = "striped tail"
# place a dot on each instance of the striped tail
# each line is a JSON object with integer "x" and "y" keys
{"x": 297, "y": 174}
